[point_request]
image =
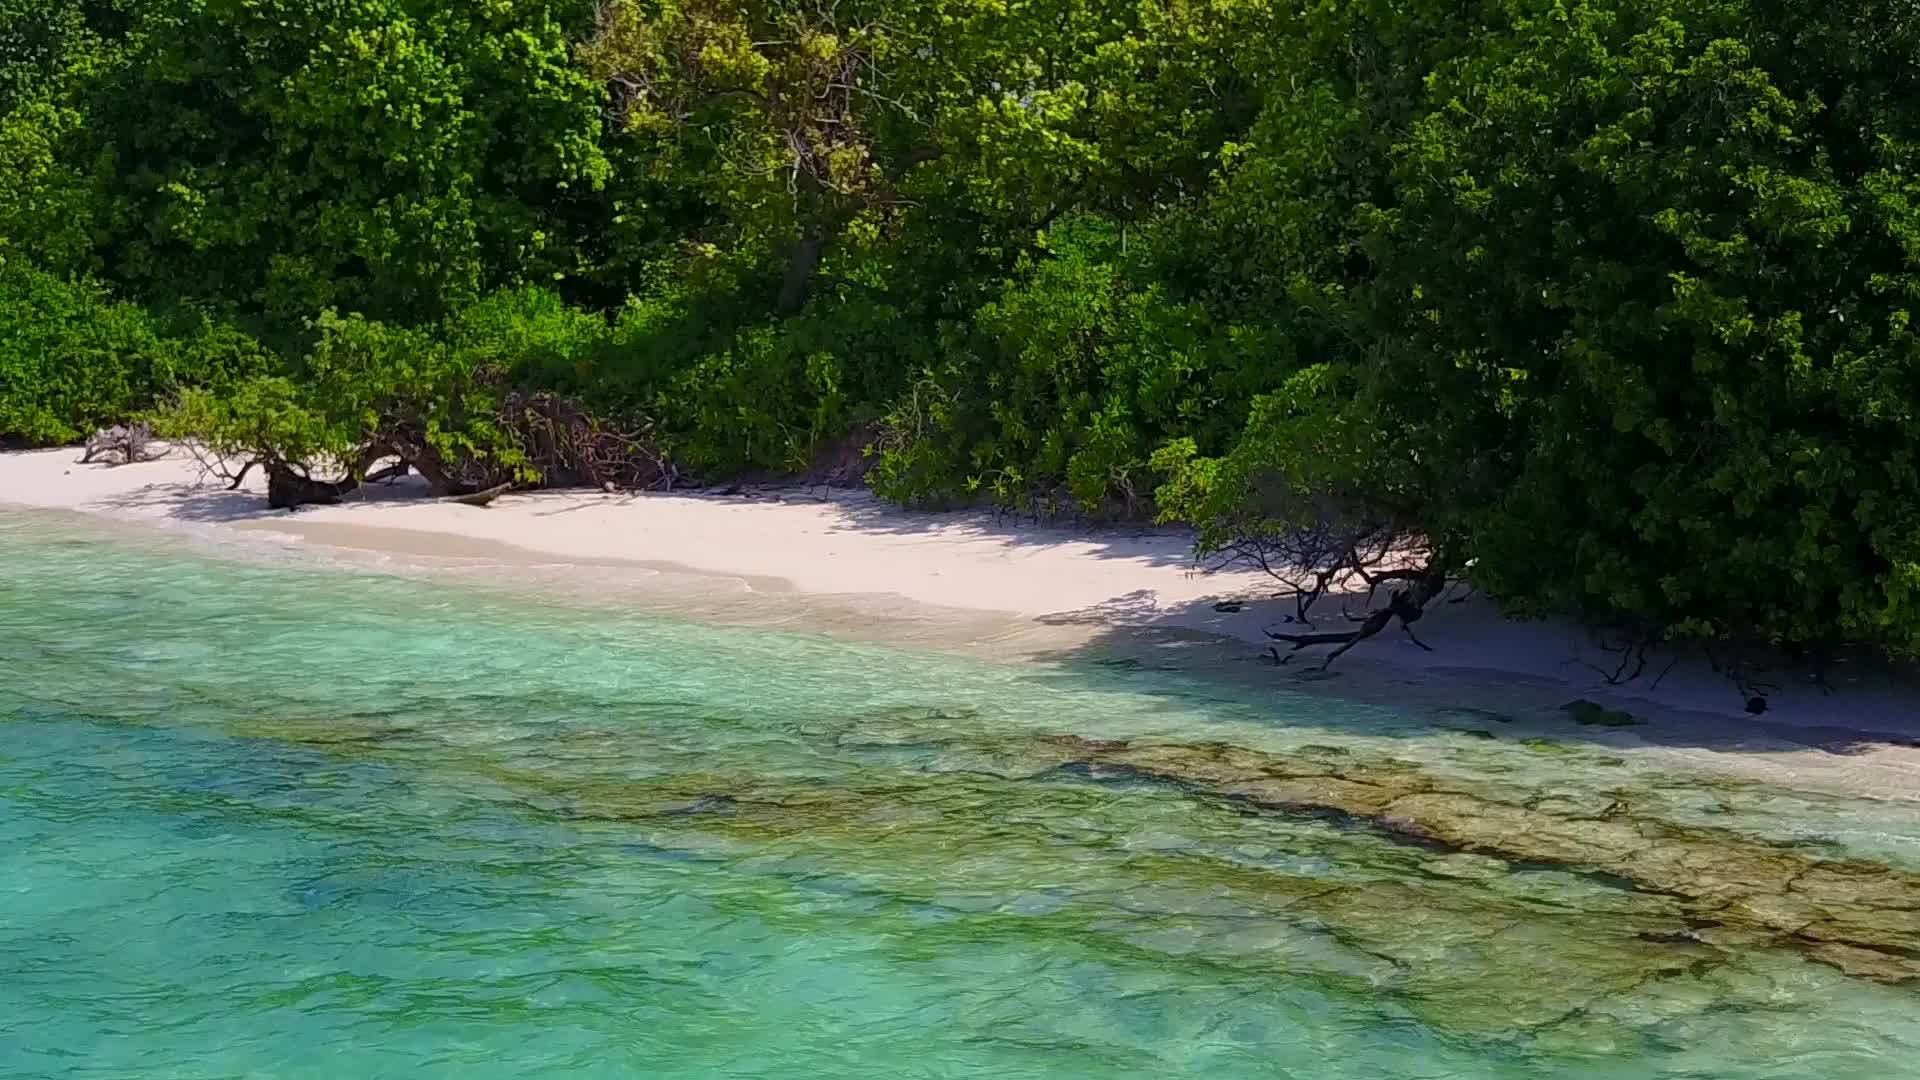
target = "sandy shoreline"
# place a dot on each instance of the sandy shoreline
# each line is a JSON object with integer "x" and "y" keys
{"x": 845, "y": 560}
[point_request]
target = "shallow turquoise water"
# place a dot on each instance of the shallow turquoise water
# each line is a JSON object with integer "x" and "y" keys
{"x": 274, "y": 820}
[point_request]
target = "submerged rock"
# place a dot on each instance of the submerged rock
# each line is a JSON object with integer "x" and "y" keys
{"x": 1590, "y": 714}
{"x": 1863, "y": 919}
{"x": 1555, "y": 913}
{"x": 1678, "y": 883}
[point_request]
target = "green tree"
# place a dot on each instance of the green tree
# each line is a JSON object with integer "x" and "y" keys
{"x": 72, "y": 359}
{"x": 1613, "y": 295}
{"x": 806, "y": 124}
{"x": 50, "y": 56}
{"x": 386, "y": 156}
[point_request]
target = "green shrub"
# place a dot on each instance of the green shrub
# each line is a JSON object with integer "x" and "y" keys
{"x": 1066, "y": 383}
{"x": 268, "y": 417}
{"x": 532, "y": 339}
{"x": 734, "y": 392}
{"x": 72, "y": 359}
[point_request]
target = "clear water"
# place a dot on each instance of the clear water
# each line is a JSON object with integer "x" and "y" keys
{"x": 262, "y": 820}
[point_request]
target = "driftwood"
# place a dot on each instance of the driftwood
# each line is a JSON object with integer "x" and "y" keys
{"x": 129, "y": 442}
{"x": 482, "y": 498}
{"x": 1315, "y": 561}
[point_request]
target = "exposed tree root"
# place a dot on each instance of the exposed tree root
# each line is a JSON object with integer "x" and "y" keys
{"x": 289, "y": 486}
{"x": 549, "y": 442}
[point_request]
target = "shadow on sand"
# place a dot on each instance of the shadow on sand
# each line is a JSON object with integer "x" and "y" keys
{"x": 1490, "y": 677}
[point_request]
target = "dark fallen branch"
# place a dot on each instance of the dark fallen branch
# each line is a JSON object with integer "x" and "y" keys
{"x": 1407, "y": 605}
{"x": 1318, "y": 560}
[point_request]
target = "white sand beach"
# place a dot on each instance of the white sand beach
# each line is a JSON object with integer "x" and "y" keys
{"x": 988, "y": 574}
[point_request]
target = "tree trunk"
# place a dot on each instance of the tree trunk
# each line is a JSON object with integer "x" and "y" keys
{"x": 287, "y": 488}
{"x": 801, "y": 264}
{"x": 415, "y": 454}
{"x": 439, "y": 484}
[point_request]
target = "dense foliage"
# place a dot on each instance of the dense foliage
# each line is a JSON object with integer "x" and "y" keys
{"x": 72, "y": 359}
{"x": 1604, "y": 304}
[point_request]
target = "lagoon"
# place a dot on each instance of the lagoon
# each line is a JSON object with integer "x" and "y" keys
{"x": 281, "y": 818}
